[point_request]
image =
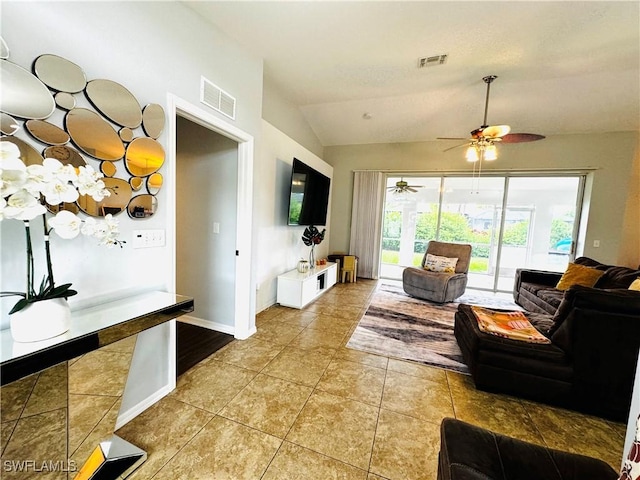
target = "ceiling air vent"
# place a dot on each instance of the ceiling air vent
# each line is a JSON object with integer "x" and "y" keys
{"x": 216, "y": 98}
{"x": 432, "y": 61}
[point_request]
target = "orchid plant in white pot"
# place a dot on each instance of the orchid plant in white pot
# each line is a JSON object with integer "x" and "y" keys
{"x": 24, "y": 191}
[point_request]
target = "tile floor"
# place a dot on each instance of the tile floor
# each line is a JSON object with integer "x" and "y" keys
{"x": 292, "y": 402}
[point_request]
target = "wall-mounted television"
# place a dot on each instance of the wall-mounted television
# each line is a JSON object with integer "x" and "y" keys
{"x": 309, "y": 195}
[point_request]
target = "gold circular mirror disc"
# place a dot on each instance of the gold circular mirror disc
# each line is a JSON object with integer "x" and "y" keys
{"x": 144, "y": 156}
{"x": 28, "y": 154}
{"x": 59, "y": 73}
{"x": 8, "y": 124}
{"x": 47, "y": 132}
{"x": 94, "y": 135}
{"x": 126, "y": 134}
{"x": 154, "y": 183}
{"x": 34, "y": 99}
{"x": 115, "y": 102}
{"x": 108, "y": 169}
{"x": 153, "y": 120}
{"x": 65, "y": 100}
{"x": 142, "y": 206}
{"x": 113, "y": 204}
{"x": 65, "y": 154}
{"x": 136, "y": 183}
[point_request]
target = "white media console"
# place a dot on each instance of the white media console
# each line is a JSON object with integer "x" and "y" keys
{"x": 297, "y": 289}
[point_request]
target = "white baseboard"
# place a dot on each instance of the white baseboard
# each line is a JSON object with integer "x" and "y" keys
{"x": 218, "y": 327}
{"x": 133, "y": 412}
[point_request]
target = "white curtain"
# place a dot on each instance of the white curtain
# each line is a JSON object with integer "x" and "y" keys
{"x": 366, "y": 222}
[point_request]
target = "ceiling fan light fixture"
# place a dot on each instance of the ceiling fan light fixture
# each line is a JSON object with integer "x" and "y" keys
{"x": 490, "y": 152}
{"x": 472, "y": 154}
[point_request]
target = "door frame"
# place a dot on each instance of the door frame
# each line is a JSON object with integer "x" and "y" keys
{"x": 244, "y": 321}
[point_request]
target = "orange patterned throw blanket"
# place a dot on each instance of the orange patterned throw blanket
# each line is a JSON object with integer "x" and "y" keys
{"x": 513, "y": 325}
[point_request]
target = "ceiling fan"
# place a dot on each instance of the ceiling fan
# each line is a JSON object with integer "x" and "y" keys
{"x": 401, "y": 187}
{"x": 482, "y": 142}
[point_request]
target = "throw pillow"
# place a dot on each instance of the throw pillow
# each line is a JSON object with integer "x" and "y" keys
{"x": 631, "y": 466}
{"x": 635, "y": 285}
{"x": 435, "y": 263}
{"x": 579, "y": 275}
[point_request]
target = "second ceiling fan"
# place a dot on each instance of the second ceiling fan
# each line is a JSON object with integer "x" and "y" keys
{"x": 481, "y": 145}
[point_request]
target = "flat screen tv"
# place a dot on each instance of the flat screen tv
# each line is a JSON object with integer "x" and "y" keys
{"x": 309, "y": 195}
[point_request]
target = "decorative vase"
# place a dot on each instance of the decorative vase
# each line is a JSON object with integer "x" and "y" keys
{"x": 303, "y": 266}
{"x": 312, "y": 257}
{"x": 41, "y": 320}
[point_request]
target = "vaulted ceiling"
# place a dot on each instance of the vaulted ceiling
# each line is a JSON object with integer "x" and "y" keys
{"x": 563, "y": 67}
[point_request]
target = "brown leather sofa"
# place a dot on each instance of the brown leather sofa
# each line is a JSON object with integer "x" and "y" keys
{"x": 468, "y": 452}
{"x": 589, "y": 365}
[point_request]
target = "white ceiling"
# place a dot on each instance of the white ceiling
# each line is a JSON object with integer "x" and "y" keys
{"x": 563, "y": 67}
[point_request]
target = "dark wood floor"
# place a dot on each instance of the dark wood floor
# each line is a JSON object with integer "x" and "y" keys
{"x": 195, "y": 343}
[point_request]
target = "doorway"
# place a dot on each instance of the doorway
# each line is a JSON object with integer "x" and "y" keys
{"x": 210, "y": 182}
{"x": 511, "y": 221}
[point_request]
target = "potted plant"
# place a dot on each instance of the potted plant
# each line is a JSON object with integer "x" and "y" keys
{"x": 312, "y": 237}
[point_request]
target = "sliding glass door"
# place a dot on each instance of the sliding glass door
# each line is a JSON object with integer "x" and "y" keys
{"x": 510, "y": 221}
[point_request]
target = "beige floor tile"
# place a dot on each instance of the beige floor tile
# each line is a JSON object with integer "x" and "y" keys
{"x": 353, "y": 380}
{"x": 297, "y": 317}
{"x": 405, "y": 448}
{"x": 268, "y": 404}
{"x": 418, "y": 370}
{"x": 373, "y": 476}
{"x": 252, "y": 354}
{"x": 342, "y": 429}
{"x": 162, "y": 431}
{"x": 49, "y": 392}
{"x": 211, "y": 386}
{"x": 293, "y": 462}
{"x": 222, "y": 450}
{"x": 417, "y": 397}
{"x": 85, "y": 412}
{"x": 299, "y": 366}
{"x": 574, "y": 432}
{"x": 268, "y": 314}
{"x": 347, "y": 353}
{"x": 6, "y": 430}
{"x": 14, "y": 397}
{"x": 280, "y": 333}
{"x": 329, "y": 322}
{"x": 103, "y": 430}
{"x": 499, "y": 413}
{"x": 310, "y": 339}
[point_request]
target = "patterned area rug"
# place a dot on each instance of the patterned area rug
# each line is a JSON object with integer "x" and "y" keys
{"x": 397, "y": 325}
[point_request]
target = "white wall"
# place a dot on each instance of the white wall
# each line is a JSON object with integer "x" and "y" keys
{"x": 278, "y": 247}
{"x": 151, "y": 48}
{"x": 613, "y": 205}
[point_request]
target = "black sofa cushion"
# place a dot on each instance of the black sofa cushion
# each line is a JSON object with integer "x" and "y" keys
{"x": 617, "y": 277}
{"x": 468, "y": 452}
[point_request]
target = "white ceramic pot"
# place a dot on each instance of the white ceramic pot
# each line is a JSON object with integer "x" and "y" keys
{"x": 303, "y": 266}
{"x": 41, "y": 320}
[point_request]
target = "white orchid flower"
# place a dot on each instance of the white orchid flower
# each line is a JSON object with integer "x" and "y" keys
{"x": 89, "y": 183}
{"x": 65, "y": 224}
{"x": 9, "y": 150}
{"x": 64, "y": 173}
{"x": 23, "y": 206}
{"x": 3, "y": 204}
{"x": 37, "y": 179}
{"x": 13, "y": 174}
{"x": 56, "y": 192}
{"x": 106, "y": 231}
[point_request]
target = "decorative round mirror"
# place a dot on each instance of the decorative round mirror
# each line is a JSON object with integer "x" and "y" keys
{"x": 142, "y": 206}
{"x": 113, "y": 204}
{"x": 66, "y": 155}
{"x": 108, "y": 169}
{"x": 28, "y": 154}
{"x": 136, "y": 183}
{"x": 59, "y": 73}
{"x": 126, "y": 134}
{"x": 154, "y": 183}
{"x": 65, "y": 100}
{"x": 93, "y": 135}
{"x": 144, "y": 156}
{"x": 46, "y": 132}
{"x": 153, "y": 120}
{"x": 8, "y": 124}
{"x": 69, "y": 207}
{"x": 22, "y": 94}
{"x": 115, "y": 102}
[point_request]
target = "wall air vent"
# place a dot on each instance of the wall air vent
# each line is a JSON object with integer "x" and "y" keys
{"x": 432, "y": 61}
{"x": 216, "y": 98}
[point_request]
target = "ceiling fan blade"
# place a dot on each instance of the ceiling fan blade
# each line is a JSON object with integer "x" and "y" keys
{"x": 412, "y": 190}
{"x": 456, "y": 146}
{"x": 521, "y": 137}
{"x": 496, "y": 131}
{"x": 450, "y": 138}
